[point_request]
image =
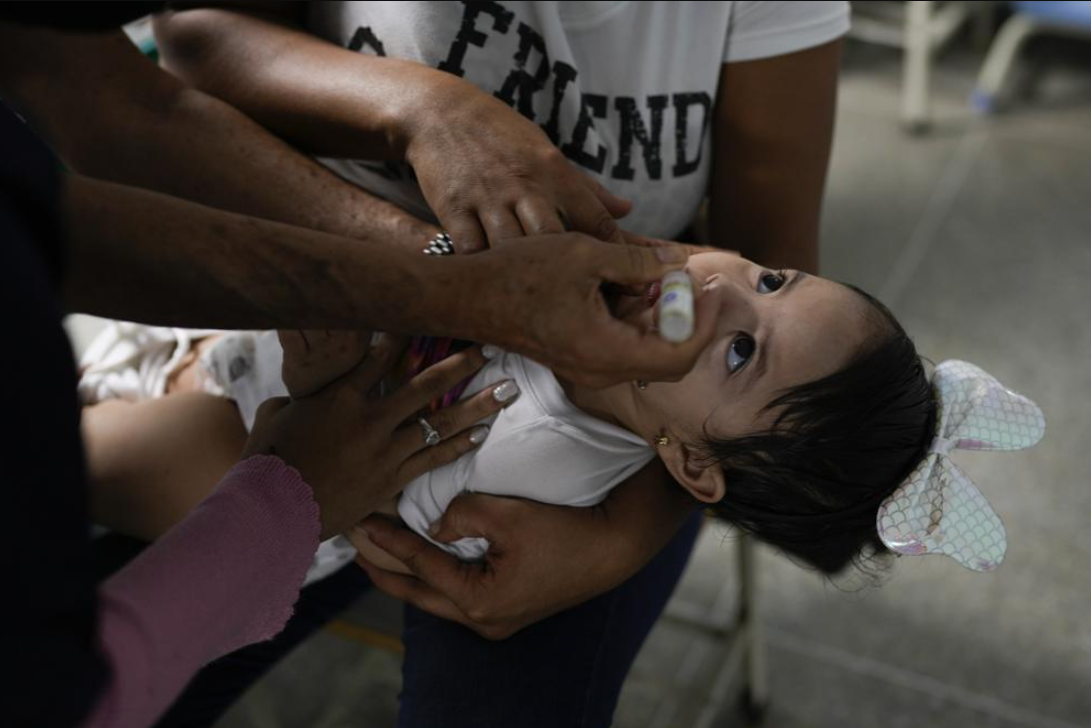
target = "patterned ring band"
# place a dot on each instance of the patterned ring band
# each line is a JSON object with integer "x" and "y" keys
{"x": 440, "y": 245}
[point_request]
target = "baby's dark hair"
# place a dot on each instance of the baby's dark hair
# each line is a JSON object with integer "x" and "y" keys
{"x": 812, "y": 483}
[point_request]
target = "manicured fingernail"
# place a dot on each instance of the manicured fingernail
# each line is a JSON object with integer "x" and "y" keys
{"x": 478, "y": 435}
{"x": 489, "y": 351}
{"x": 505, "y": 391}
{"x": 671, "y": 253}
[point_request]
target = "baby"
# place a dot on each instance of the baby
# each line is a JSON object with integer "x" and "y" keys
{"x": 806, "y": 412}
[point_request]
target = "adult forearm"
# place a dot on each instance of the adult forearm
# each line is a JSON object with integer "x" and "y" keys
{"x": 123, "y": 119}
{"x": 144, "y": 256}
{"x": 773, "y": 130}
{"x": 325, "y": 99}
{"x": 225, "y": 577}
{"x": 199, "y": 148}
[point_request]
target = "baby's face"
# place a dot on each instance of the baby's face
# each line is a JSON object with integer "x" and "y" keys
{"x": 775, "y": 329}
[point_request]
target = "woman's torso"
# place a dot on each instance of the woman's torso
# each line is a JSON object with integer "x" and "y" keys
{"x": 625, "y": 89}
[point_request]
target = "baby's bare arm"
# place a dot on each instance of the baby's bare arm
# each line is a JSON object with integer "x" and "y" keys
{"x": 151, "y": 462}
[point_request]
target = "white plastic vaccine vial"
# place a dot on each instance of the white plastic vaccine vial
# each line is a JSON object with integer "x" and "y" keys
{"x": 676, "y": 307}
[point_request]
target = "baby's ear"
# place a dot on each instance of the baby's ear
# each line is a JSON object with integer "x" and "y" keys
{"x": 703, "y": 479}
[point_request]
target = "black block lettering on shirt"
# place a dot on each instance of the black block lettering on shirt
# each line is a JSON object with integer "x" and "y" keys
{"x": 365, "y": 36}
{"x": 467, "y": 34}
{"x": 563, "y": 74}
{"x": 519, "y": 87}
{"x": 632, "y": 127}
{"x": 681, "y": 103}
{"x": 591, "y": 105}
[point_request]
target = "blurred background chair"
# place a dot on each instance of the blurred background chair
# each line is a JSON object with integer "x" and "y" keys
{"x": 921, "y": 29}
{"x": 1070, "y": 19}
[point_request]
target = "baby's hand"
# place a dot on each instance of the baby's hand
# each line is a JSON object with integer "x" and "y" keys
{"x": 313, "y": 359}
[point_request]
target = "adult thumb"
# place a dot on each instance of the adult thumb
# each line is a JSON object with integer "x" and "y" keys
{"x": 462, "y": 519}
{"x": 626, "y": 264}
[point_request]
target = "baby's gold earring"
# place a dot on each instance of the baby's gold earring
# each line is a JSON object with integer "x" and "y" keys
{"x": 663, "y": 440}
{"x": 641, "y": 384}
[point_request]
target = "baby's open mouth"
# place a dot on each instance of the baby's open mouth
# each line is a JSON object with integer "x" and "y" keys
{"x": 625, "y": 302}
{"x": 651, "y": 294}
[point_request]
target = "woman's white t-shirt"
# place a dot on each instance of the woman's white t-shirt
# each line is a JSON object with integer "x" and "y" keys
{"x": 625, "y": 89}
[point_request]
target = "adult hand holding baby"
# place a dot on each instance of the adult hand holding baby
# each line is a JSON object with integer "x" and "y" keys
{"x": 356, "y": 452}
{"x": 542, "y": 559}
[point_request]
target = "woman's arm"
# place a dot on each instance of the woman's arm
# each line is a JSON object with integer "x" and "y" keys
{"x": 486, "y": 172}
{"x": 590, "y": 551}
{"x": 111, "y": 113}
{"x": 139, "y": 255}
{"x": 225, "y": 577}
{"x": 773, "y": 131}
{"x": 229, "y": 573}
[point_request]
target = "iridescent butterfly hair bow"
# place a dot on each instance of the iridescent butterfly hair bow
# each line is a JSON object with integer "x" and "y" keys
{"x": 938, "y": 509}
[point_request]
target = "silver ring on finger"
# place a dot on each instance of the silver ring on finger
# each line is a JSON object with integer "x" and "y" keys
{"x": 431, "y": 435}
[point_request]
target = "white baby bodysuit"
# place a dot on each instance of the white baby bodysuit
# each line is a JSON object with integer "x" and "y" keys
{"x": 540, "y": 447}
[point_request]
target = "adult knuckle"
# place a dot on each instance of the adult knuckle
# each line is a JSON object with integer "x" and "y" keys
{"x": 412, "y": 561}
{"x": 603, "y": 226}
{"x": 551, "y": 155}
{"x": 520, "y": 170}
{"x": 431, "y": 383}
{"x": 455, "y": 508}
{"x": 481, "y": 615}
{"x": 482, "y": 404}
{"x": 580, "y": 250}
{"x": 444, "y": 421}
{"x": 638, "y": 257}
{"x": 496, "y": 633}
{"x": 441, "y": 455}
{"x": 455, "y": 199}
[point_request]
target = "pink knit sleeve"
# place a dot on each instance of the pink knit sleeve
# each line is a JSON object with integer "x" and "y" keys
{"x": 225, "y": 577}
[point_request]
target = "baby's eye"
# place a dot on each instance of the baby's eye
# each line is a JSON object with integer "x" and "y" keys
{"x": 739, "y": 352}
{"x": 770, "y": 282}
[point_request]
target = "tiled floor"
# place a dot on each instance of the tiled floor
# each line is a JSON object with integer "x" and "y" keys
{"x": 979, "y": 237}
